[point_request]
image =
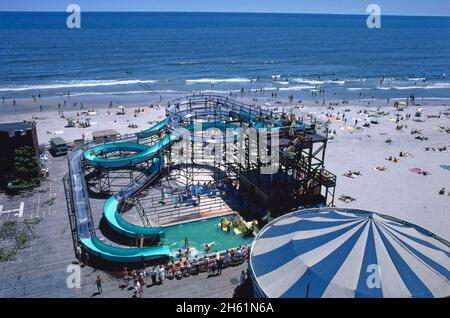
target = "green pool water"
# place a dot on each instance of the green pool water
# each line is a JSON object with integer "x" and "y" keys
{"x": 201, "y": 232}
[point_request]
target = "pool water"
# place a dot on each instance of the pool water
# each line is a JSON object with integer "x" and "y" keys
{"x": 201, "y": 232}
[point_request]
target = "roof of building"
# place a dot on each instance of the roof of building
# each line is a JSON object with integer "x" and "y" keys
{"x": 104, "y": 133}
{"x": 17, "y": 126}
{"x": 58, "y": 141}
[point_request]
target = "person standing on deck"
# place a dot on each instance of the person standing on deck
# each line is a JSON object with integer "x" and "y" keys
{"x": 219, "y": 263}
{"x": 162, "y": 274}
{"x": 242, "y": 278}
{"x": 153, "y": 275}
{"x": 98, "y": 281}
{"x": 126, "y": 277}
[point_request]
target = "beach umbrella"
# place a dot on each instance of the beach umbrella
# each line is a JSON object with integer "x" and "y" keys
{"x": 348, "y": 253}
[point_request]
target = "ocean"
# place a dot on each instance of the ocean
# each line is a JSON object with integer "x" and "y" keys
{"x": 178, "y": 53}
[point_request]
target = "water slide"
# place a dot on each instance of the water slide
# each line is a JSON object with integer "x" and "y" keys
{"x": 153, "y": 130}
{"x": 111, "y": 207}
{"x": 124, "y": 255}
{"x": 95, "y": 155}
{"x": 80, "y": 197}
{"x": 142, "y": 153}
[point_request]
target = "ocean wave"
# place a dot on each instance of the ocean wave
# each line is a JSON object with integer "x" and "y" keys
{"x": 316, "y": 82}
{"x": 357, "y": 88}
{"x": 282, "y": 83}
{"x": 212, "y": 91}
{"x": 417, "y": 79}
{"x": 75, "y": 94}
{"x": 74, "y": 84}
{"x": 432, "y": 86}
{"x": 216, "y": 81}
{"x": 296, "y": 88}
{"x": 439, "y": 85}
{"x": 187, "y": 63}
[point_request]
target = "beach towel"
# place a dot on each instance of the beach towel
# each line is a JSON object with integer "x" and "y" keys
{"x": 416, "y": 170}
{"x": 446, "y": 167}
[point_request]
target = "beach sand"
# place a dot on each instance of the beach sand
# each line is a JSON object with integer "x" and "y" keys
{"x": 397, "y": 191}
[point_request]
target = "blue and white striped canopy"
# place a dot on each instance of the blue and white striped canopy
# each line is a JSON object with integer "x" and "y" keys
{"x": 348, "y": 253}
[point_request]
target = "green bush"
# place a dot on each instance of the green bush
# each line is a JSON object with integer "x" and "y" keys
{"x": 26, "y": 166}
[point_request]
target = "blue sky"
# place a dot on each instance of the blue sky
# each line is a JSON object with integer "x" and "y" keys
{"x": 391, "y": 7}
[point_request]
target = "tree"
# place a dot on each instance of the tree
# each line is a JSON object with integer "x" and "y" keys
{"x": 26, "y": 167}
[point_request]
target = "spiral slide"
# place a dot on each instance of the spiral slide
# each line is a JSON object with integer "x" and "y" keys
{"x": 111, "y": 207}
{"x": 94, "y": 156}
{"x": 143, "y": 153}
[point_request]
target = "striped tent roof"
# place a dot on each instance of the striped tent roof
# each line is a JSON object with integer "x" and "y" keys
{"x": 348, "y": 253}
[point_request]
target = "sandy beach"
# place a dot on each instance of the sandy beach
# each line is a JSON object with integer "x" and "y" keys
{"x": 395, "y": 191}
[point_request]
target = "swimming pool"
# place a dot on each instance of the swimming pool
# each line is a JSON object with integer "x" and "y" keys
{"x": 201, "y": 232}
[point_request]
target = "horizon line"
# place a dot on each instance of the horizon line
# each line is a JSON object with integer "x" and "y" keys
{"x": 228, "y": 12}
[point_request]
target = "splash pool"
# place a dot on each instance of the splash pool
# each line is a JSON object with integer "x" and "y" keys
{"x": 201, "y": 232}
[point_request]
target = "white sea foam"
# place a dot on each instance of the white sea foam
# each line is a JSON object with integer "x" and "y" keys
{"x": 357, "y": 88}
{"x": 73, "y": 84}
{"x": 316, "y": 82}
{"x": 212, "y": 91}
{"x": 439, "y": 85}
{"x": 282, "y": 83}
{"x": 296, "y": 88}
{"x": 305, "y": 81}
{"x": 187, "y": 63}
{"x": 215, "y": 80}
{"x": 168, "y": 91}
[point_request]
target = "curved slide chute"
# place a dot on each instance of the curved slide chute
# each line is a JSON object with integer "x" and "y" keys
{"x": 80, "y": 197}
{"x": 124, "y": 255}
{"x": 153, "y": 130}
{"x": 142, "y": 154}
{"x": 111, "y": 206}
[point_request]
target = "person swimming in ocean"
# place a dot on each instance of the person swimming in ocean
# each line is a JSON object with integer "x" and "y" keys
{"x": 208, "y": 247}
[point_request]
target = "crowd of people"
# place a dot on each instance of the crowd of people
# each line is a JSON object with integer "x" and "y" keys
{"x": 213, "y": 264}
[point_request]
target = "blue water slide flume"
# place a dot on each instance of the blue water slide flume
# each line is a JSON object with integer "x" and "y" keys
{"x": 142, "y": 153}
